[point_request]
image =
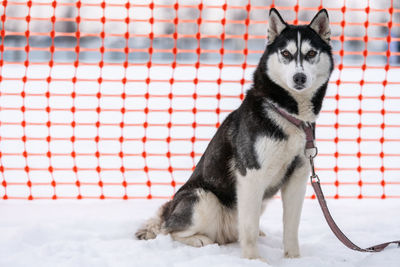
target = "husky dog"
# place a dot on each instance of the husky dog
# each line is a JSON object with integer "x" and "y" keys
{"x": 256, "y": 152}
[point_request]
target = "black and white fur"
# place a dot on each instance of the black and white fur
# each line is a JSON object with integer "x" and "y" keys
{"x": 256, "y": 152}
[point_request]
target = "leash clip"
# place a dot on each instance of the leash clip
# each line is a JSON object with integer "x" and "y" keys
{"x": 311, "y": 152}
{"x": 314, "y": 177}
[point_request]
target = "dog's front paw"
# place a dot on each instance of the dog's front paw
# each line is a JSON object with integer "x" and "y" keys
{"x": 292, "y": 254}
{"x": 254, "y": 257}
{"x": 291, "y": 249}
{"x": 251, "y": 253}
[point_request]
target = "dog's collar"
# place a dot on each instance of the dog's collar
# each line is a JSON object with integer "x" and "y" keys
{"x": 307, "y": 127}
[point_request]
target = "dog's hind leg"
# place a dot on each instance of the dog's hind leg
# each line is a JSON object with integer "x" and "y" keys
{"x": 152, "y": 227}
{"x": 208, "y": 222}
{"x": 196, "y": 240}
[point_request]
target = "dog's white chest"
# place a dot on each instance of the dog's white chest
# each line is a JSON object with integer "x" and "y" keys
{"x": 271, "y": 151}
{"x": 275, "y": 156}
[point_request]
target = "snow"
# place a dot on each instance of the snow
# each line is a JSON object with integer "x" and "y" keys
{"x": 100, "y": 233}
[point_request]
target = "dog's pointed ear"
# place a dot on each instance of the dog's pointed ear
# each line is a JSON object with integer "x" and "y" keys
{"x": 276, "y": 25}
{"x": 320, "y": 24}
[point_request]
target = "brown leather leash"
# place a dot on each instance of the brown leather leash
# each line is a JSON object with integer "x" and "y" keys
{"x": 312, "y": 151}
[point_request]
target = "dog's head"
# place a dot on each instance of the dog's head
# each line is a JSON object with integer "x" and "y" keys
{"x": 299, "y": 58}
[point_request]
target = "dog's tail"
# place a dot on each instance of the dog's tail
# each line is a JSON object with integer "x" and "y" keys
{"x": 152, "y": 227}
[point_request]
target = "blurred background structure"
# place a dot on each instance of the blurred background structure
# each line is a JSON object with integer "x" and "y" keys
{"x": 118, "y": 99}
{"x": 233, "y": 18}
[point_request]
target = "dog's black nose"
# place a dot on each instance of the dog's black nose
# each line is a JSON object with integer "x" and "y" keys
{"x": 299, "y": 79}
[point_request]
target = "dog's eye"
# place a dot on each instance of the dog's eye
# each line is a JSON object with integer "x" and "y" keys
{"x": 286, "y": 54}
{"x": 311, "y": 54}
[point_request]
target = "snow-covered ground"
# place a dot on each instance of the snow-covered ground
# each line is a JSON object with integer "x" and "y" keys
{"x": 100, "y": 233}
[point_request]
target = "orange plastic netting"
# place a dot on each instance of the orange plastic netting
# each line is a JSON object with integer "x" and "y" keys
{"x": 118, "y": 100}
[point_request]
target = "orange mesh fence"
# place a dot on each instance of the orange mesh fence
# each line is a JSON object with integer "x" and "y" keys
{"x": 118, "y": 100}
